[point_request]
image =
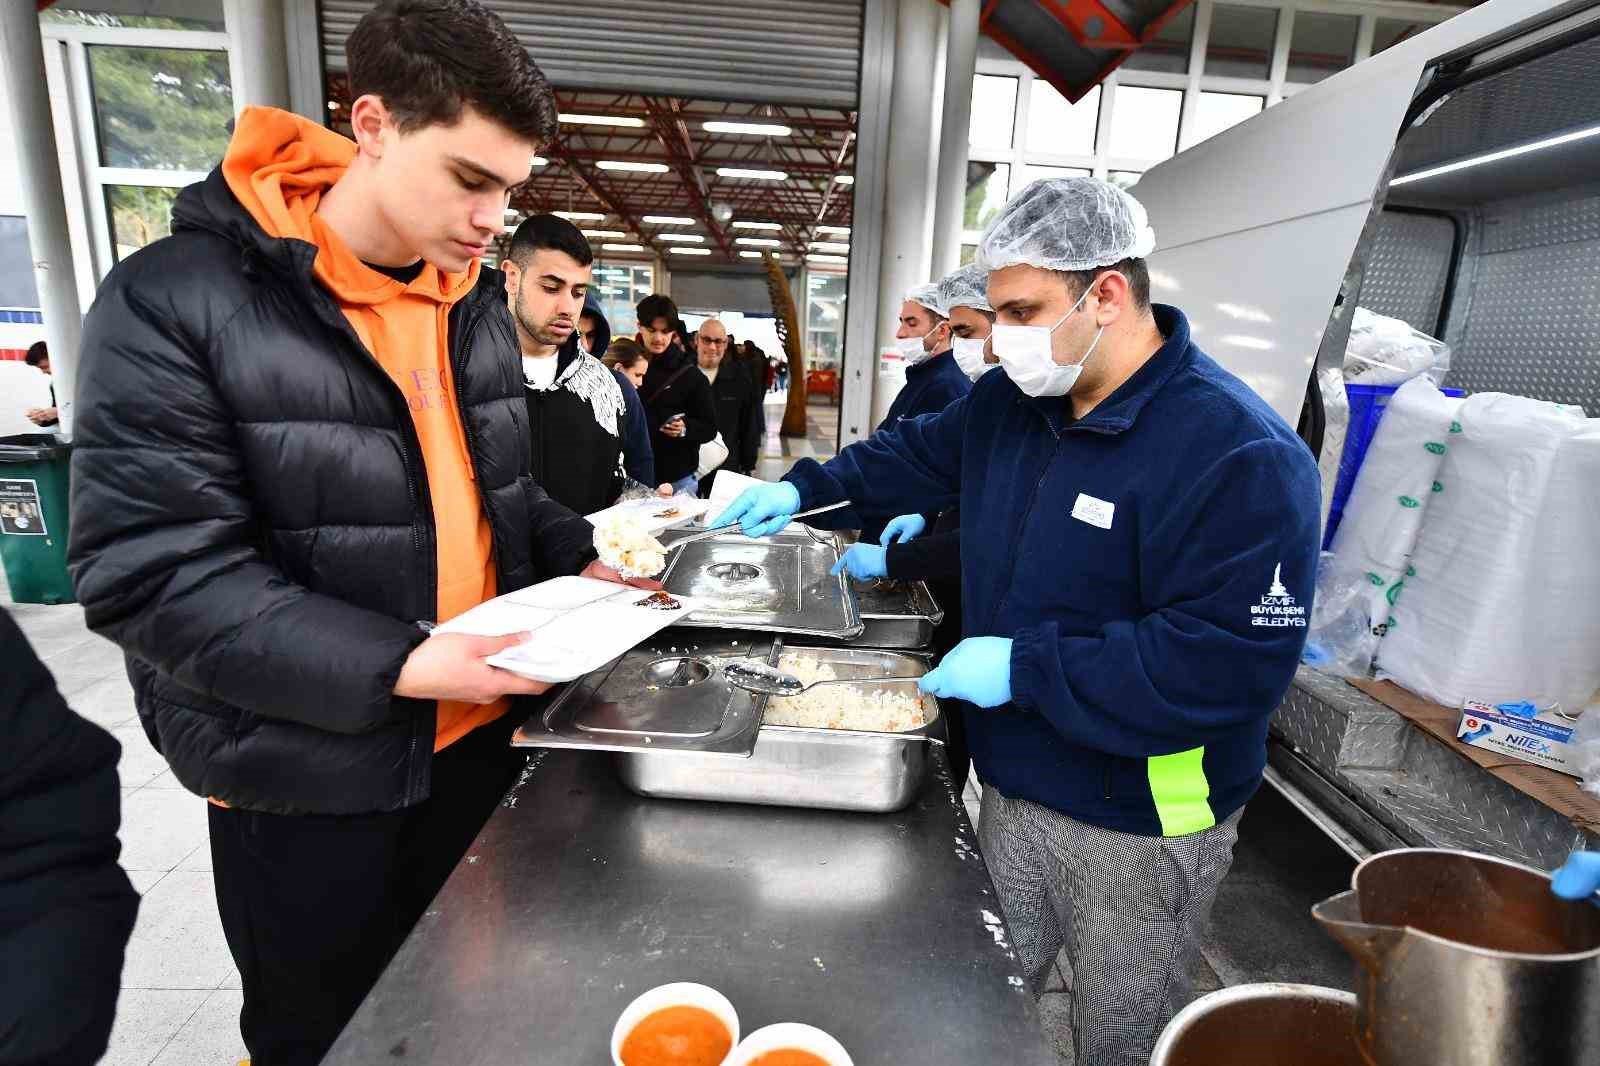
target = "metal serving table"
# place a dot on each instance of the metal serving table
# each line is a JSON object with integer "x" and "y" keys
{"x": 578, "y": 895}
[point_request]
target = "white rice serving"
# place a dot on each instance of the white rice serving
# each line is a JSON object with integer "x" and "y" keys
{"x": 871, "y": 708}
{"x": 627, "y": 547}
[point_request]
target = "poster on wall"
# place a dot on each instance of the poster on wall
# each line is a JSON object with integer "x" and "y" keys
{"x": 20, "y": 512}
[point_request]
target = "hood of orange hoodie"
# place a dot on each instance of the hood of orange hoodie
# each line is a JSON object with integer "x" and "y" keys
{"x": 278, "y": 166}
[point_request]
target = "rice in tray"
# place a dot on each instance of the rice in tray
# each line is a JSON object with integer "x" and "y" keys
{"x": 627, "y": 547}
{"x": 872, "y": 708}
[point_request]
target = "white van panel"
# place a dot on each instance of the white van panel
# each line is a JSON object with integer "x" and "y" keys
{"x": 1266, "y": 215}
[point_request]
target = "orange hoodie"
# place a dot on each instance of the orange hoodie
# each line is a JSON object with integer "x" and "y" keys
{"x": 278, "y": 166}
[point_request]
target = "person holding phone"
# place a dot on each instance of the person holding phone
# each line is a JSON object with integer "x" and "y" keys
{"x": 677, "y": 397}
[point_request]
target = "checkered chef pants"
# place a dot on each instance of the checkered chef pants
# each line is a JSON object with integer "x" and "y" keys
{"x": 1128, "y": 909}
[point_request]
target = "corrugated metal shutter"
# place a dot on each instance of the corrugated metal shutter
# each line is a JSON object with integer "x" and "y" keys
{"x": 803, "y": 52}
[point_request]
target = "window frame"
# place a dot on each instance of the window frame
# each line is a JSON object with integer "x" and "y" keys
{"x": 88, "y": 181}
{"x": 1273, "y": 89}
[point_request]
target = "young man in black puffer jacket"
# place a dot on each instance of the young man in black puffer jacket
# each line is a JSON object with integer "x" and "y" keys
{"x": 676, "y": 396}
{"x": 302, "y": 441}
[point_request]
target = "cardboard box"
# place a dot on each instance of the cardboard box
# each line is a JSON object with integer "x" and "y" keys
{"x": 1541, "y": 738}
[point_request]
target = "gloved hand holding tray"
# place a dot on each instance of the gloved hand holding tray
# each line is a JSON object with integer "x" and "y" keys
{"x": 578, "y": 624}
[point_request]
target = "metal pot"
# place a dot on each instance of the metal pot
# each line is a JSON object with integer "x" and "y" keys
{"x": 1468, "y": 960}
{"x": 1263, "y": 1025}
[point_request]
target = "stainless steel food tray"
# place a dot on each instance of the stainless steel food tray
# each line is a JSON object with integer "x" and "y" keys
{"x": 896, "y": 614}
{"x": 777, "y": 584}
{"x": 667, "y": 695}
{"x": 793, "y": 766}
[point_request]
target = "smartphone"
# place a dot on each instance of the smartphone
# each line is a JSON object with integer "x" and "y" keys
{"x": 674, "y": 418}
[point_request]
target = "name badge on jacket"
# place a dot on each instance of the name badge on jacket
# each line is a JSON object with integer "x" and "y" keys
{"x": 1093, "y": 511}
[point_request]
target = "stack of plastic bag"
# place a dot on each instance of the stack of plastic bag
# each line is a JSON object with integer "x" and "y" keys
{"x": 1387, "y": 351}
{"x": 1363, "y": 575}
{"x": 1502, "y": 596}
{"x": 1336, "y": 427}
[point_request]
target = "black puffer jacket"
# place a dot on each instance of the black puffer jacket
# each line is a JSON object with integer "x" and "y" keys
{"x": 251, "y": 518}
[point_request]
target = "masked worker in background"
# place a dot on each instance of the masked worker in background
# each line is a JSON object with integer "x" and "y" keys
{"x": 1138, "y": 549}
{"x": 903, "y": 554}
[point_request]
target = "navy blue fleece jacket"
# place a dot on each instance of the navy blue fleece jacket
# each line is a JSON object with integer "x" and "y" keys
{"x": 1152, "y": 562}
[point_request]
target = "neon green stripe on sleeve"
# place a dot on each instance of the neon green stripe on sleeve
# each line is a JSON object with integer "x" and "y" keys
{"x": 1179, "y": 787}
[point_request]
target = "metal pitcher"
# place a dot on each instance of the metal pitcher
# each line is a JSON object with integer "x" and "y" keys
{"x": 1468, "y": 960}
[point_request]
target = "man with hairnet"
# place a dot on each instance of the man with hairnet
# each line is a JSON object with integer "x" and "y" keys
{"x": 1138, "y": 545}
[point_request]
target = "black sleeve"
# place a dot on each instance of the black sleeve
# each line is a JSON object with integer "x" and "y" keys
{"x": 165, "y": 546}
{"x": 66, "y": 907}
{"x": 749, "y": 451}
{"x": 936, "y": 557}
{"x": 699, "y": 409}
{"x": 637, "y": 457}
{"x": 563, "y": 541}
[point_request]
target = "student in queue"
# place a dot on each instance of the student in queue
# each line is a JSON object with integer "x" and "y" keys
{"x": 1138, "y": 546}
{"x": 677, "y": 397}
{"x": 579, "y": 413}
{"x": 903, "y": 553}
{"x": 301, "y": 443}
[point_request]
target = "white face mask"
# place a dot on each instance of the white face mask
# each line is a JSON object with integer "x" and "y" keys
{"x": 1025, "y": 353}
{"x": 915, "y": 348}
{"x": 968, "y": 352}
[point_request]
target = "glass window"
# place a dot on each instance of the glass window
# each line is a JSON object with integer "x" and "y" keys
{"x": 969, "y": 252}
{"x": 1390, "y": 32}
{"x": 161, "y": 108}
{"x": 1321, "y": 44}
{"x": 1168, "y": 50}
{"x": 139, "y": 14}
{"x": 825, "y": 316}
{"x": 140, "y": 214}
{"x": 986, "y": 193}
{"x": 994, "y": 111}
{"x": 1029, "y": 174}
{"x": 1240, "y": 43}
{"x": 1058, "y": 127}
{"x": 1144, "y": 123}
{"x": 1215, "y": 112}
{"x": 1124, "y": 179}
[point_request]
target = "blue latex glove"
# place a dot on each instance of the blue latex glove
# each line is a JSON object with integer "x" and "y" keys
{"x": 864, "y": 561}
{"x": 977, "y": 670}
{"x": 1580, "y": 877}
{"x": 900, "y": 530}
{"x": 762, "y": 510}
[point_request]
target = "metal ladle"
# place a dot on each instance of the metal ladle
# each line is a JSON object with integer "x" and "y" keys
{"x": 755, "y": 676}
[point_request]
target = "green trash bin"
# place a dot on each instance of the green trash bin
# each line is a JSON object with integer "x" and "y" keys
{"x": 34, "y": 474}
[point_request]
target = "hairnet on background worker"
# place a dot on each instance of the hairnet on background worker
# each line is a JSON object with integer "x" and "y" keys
{"x": 1067, "y": 224}
{"x": 967, "y": 287}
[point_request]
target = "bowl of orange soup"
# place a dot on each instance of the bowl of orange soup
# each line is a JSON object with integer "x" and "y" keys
{"x": 681, "y": 1024}
{"x": 790, "y": 1044}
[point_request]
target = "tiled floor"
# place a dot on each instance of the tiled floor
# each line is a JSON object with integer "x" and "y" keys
{"x": 180, "y": 1001}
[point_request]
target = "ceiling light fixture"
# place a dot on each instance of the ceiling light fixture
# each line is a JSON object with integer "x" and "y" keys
{"x": 681, "y": 250}
{"x": 845, "y": 179}
{"x": 758, "y": 225}
{"x": 752, "y": 255}
{"x": 754, "y": 129}
{"x": 604, "y": 233}
{"x": 538, "y": 161}
{"x": 747, "y": 172}
{"x": 622, "y": 247}
{"x": 632, "y": 166}
{"x": 829, "y": 246}
{"x": 816, "y": 257}
{"x": 603, "y": 120}
{"x": 580, "y": 216}
{"x": 1495, "y": 157}
{"x": 681, "y": 238}
{"x": 843, "y": 231}
{"x": 667, "y": 220}
{"x": 759, "y": 242}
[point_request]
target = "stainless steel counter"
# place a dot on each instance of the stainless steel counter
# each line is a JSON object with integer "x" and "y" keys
{"x": 578, "y": 895}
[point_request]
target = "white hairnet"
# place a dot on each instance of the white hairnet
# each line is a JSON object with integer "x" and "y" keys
{"x": 966, "y": 286}
{"x": 1067, "y": 224}
{"x": 928, "y": 296}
